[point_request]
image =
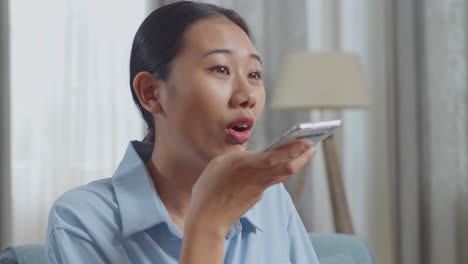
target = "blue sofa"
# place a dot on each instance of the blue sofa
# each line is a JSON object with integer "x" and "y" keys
{"x": 330, "y": 249}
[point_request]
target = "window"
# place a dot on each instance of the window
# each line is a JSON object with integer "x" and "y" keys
{"x": 71, "y": 108}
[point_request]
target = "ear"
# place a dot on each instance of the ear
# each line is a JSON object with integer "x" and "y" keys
{"x": 148, "y": 90}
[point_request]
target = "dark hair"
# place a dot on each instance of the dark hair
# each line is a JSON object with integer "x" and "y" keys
{"x": 159, "y": 39}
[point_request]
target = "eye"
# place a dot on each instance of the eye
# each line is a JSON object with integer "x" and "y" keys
{"x": 220, "y": 69}
{"x": 255, "y": 75}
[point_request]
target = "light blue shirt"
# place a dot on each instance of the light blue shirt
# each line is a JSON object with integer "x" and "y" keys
{"x": 123, "y": 220}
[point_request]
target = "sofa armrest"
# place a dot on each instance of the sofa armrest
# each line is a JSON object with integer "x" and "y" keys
{"x": 24, "y": 254}
{"x": 341, "y": 248}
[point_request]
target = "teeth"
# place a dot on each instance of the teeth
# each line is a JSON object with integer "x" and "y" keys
{"x": 242, "y": 125}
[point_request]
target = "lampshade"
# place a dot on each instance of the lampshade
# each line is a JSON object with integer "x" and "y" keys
{"x": 320, "y": 80}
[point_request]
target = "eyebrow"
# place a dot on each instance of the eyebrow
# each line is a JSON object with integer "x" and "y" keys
{"x": 228, "y": 51}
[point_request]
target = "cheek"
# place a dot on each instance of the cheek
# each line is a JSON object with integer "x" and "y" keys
{"x": 260, "y": 102}
{"x": 210, "y": 94}
{"x": 202, "y": 102}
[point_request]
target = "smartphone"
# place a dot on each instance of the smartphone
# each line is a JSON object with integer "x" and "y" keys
{"x": 316, "y": 132}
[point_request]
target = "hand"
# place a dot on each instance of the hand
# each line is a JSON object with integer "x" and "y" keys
{"x": 232, "y": 183}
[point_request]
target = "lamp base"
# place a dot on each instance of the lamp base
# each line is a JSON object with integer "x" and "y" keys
{"x": 339, "y": 203}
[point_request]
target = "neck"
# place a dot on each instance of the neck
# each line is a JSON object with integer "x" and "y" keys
{"x": 173, "y": 177}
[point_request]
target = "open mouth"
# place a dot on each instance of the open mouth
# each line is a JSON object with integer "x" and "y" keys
{"x": 239, "y": 130}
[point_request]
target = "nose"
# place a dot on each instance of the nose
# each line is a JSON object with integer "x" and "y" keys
{"x": 244, "y": 95}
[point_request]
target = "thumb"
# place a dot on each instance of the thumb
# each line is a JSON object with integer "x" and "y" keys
{"x": 269, "y": 159}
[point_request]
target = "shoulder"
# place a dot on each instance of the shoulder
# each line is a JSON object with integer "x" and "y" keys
{"x": 85, "y": 208}
{"x": 279, "y": 196}
{"x": 276, "y": 204}
{"x": 92, "y": 197}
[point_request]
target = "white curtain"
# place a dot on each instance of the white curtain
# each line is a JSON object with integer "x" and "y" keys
{"x": 71, "y": 108}
{"x": 433, "y": 207}
{"x": 431, "y": 64}
{"x": 444, "y": 126}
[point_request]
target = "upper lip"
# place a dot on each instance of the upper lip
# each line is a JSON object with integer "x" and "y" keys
{"x": 242, "y": 120}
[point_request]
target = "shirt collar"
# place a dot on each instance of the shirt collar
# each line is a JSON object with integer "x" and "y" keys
{"x": 252, "y": 218}
{"x": 139, "y": 204}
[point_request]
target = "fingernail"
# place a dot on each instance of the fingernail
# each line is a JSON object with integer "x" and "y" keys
{"x": 307, "y": 146}
{"x": 274, "y": 161}
{"x": 298, "y": 151}
{"x": 313, "y": 149}
{"x": 303, "y": 148}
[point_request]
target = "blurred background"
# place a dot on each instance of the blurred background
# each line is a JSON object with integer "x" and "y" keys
{"x": 67, "y": 113}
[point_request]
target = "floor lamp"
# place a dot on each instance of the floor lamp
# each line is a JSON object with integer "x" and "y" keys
{"x": 323, "y": 81}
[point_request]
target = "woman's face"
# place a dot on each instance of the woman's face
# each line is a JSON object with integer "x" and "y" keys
{"x": 214, "y": 92}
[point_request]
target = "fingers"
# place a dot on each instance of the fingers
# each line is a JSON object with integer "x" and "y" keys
{"x": 285, "y": 170}
{"x": 274, "y": 157}
{"x": 274, "y": 166}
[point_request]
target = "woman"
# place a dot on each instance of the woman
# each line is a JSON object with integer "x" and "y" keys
{"x": 190, "y": 192}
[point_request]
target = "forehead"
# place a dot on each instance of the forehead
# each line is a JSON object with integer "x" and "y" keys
{"x": 217, "y": 33}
